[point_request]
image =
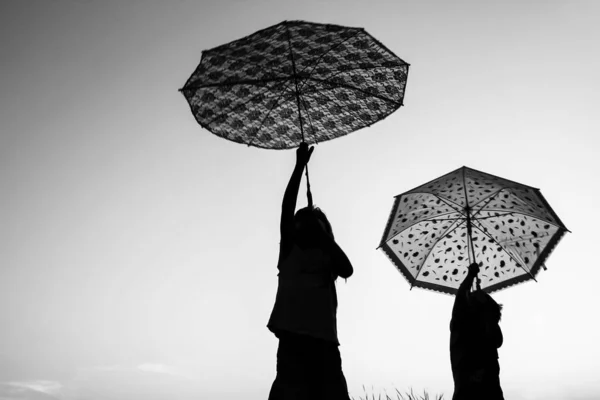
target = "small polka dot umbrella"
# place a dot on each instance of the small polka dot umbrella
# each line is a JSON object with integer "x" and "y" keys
{"x": 295, "y": 82}
{"x": 437, "y": 230}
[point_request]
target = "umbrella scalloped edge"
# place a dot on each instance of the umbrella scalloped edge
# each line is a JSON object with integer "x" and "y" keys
{"x": 491, "y": 289}
{"x": 535, "y": 269}
{"x": 413, "y": 282}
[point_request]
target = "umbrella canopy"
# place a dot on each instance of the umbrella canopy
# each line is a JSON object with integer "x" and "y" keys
{"x": 436, "y": 230}
{"x": 295, "y": 81}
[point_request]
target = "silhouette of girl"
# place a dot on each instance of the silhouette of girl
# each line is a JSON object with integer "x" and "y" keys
{"x": 309, "y": 365}
{"x": 475, "y": 337}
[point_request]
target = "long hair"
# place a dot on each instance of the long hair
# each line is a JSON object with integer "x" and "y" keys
{"x": 308, "y": 213}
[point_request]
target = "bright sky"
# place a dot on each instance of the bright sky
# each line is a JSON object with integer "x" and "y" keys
{"x": 138, "y": 251}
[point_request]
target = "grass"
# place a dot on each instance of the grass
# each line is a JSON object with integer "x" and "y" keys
{"x": 399, "y": 396}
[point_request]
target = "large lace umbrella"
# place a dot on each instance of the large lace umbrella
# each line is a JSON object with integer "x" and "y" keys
{"x": 437, "y": 230}
{"x": 295, "y": 82}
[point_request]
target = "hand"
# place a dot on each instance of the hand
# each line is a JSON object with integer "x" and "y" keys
{"x": 303, "y": 154}
{"x": 474, "y": 269}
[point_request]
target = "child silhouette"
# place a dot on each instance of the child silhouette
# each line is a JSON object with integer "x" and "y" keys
{"x": 304, "y": 315}
{"x": 475, "y": 337}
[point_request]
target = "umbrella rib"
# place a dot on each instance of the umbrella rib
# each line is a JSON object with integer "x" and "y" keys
{"x": 494, "y": 216}
{"x": 468, "y": 214}
{"x": 318, "y": 61}
{"x": 550, "y": 210}
{"x": 366, "y": 69}
{"x": 354, "y": 113}
{"x": 518, "y": 213}
{"x": 239, "y": 82}
{"x": 332, "y": 98}
{"x": 246, "y": 62}
{"x": 255, "y": 135}
{"x": 235, "y": 105}
{"x": 455, "y": 206}
{"x": 488, "y": 235}
{"x": 465, "y": 188}
{"x": 361, "y": 69}
{"x": 353, "y": 88}
{"x": 262, "y": 81}
{"x": 448, "y": 202}
{"x": 333, "y": 76}
{"x": 523, "y": 237}
{"x": 303, "y": 101}
{"x": 501, "y": 179}
{"x": 434, "y": 218}
{"x": 504, "y": 250}
{"x": 489, "y": 199}
{"x": 420, "y": 221}
{"x": 289, "y": 39}
{"x": 447, "y": 219}
{"x": 431, "y": 249}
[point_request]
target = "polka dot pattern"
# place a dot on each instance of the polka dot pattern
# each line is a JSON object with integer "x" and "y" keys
{"x": 253, "y": 90}
{"x": 513, "y": 231}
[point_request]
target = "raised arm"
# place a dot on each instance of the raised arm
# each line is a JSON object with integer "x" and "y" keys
{"x": 462, "y": 296}
{"x": 288, "y": 207}
{"x": 465, "y": 286}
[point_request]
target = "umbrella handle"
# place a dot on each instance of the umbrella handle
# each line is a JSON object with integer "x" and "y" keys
{"x": 308, "y": 193}
{"x": 477, "y": 283}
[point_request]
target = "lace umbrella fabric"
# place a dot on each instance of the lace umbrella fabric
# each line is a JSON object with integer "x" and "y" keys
{"x": 293, "y": 82}
{"x": 513, "y": 231}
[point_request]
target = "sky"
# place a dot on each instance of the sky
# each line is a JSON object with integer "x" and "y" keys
{"x": 138, "y": 251}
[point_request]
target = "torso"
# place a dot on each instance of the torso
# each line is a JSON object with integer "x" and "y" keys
{"x": 306, "y": 300}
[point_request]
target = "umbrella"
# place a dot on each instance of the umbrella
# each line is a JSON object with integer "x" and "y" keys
{"x": 438, "y": 229}
{"x": 295, "y": 82}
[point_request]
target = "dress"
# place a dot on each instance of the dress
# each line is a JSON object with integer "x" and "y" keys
{"x": 309, "y": 364}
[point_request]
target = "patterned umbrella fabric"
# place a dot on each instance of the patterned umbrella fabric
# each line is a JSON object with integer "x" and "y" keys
{"x": 293, "y": 82}
{"x": 436, "y": 230}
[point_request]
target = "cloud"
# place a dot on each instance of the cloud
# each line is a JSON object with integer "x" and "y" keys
{"x": 144, "y": 381}
{"x": 147, "y": 381}
{"x": 159, "y": 369}
{"x": 30, "y": 390}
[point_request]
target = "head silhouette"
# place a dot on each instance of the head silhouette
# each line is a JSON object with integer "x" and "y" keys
{"x": 485, "y": 304}
{"x": 309, "y": 220}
